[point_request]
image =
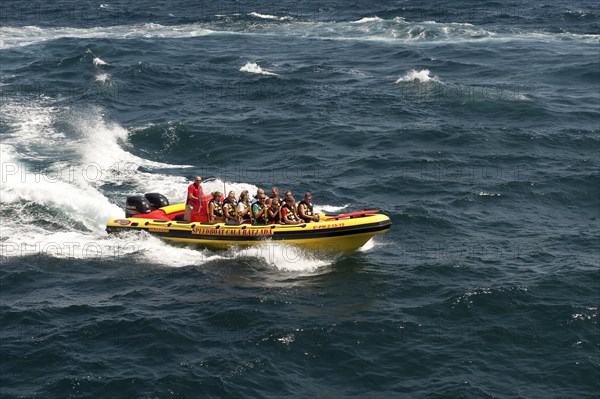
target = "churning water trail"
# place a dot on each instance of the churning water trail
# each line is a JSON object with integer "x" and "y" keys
{"x": 475, "y": 129}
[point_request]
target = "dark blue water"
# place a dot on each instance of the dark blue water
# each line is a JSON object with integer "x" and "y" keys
{"x": 473, "y": 125}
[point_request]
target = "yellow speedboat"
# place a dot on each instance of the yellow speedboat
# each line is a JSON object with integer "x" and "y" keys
{"x": 339, "y": 233}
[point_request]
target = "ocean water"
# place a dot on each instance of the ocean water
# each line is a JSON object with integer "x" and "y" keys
{"x": 474, "y": 125}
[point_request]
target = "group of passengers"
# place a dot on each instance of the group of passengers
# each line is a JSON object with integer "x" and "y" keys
{"x": 262, "y": 210}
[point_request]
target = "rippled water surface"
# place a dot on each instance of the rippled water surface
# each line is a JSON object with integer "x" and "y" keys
{"x": 473, "y": 125}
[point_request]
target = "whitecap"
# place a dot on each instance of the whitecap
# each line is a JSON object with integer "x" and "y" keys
{"x": 485, "y": 194}
{"x": 253, "y": 67}
{"x": 96, "y": 147}
{"x": 102, "y": 141}
{"x": 268, "y": 16}
{"x": 102, "y": 77}
{"x": 391, "y": 31}
{"x": 366, "y": 20}
{"x": 63, "y": 189}
{"x": 98, "y": 61}
{"x": 521, "y": 97}
{"x": 27, "y": 35}
{"x": 417, "y": 76}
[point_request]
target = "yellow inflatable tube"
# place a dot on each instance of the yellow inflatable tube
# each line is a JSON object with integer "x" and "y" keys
{"x": 337, "y": 233}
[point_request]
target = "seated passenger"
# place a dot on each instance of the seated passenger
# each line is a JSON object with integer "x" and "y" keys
{"x": 288, "y": 213}
{"x": 259, "y": 210}
{"x": 215, "y": 210}
{"x": 230, "y": 209}
{"x": 288, "y": 194}
{"x": 244, "y": 207}
{"x": 274, "y": 194}
{"x": 274, "y": 211}
{"x": 259, "y": 192}
{"x": 305, "y": 209}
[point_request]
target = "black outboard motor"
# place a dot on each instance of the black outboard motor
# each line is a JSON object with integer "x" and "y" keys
{"x": 156, "y": 200}
{"x": 136, "y": 204}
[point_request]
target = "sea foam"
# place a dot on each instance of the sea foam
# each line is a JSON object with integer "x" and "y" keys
{"x": 367, "y": 20}
{"x": 98, "y": 61}
{"x": 418, "y": 76}
{"x": 253, "y": 67}
{"x": 272, "y": 17}
{"x": 102, "y": 77}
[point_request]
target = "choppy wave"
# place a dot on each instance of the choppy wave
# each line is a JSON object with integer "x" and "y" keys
{"x": 367, "y": 20}
{"x": 103, "y": 77}
{"x": 66, "y": 192}
{"x": 418, "y": 76}
{"x": 370, "y": 29}
{"x": 253, "y": 67}
{"x": 485, "y": 164}
{"x": 99, "y": 62}
{"x": 79, "y": 203}
{"x": 67, "y": 196}
{"x": 486, "y": 194}
{"x": 28, "y": 35}
{"x": 61, "y": 189}
{"x": 271, "y": 17}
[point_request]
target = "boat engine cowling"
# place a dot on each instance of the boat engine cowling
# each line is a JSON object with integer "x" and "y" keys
{"x": 136, "y": 204}
{"x": 156, "y": 200}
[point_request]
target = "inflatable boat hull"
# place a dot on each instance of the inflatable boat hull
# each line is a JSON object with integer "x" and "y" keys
{"x": 338, "y": 233}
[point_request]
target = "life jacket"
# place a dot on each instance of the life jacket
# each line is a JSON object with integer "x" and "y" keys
{"x": 291, "y": 215}
{"x": 232, "y": 206}
{"x": 217, "y": 208}
{"x": 277, "y": 218}
{"x": 262, "y": 219}
{"x": 309, "y": 207}
{"x": 248, "y": 215}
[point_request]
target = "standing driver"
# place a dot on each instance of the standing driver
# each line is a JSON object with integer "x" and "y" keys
{"x": 193, "y": 202}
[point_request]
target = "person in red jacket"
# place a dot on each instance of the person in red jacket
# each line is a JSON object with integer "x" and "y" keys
{"x": 193, "y": 204}
{"x": 288, "y": 212}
